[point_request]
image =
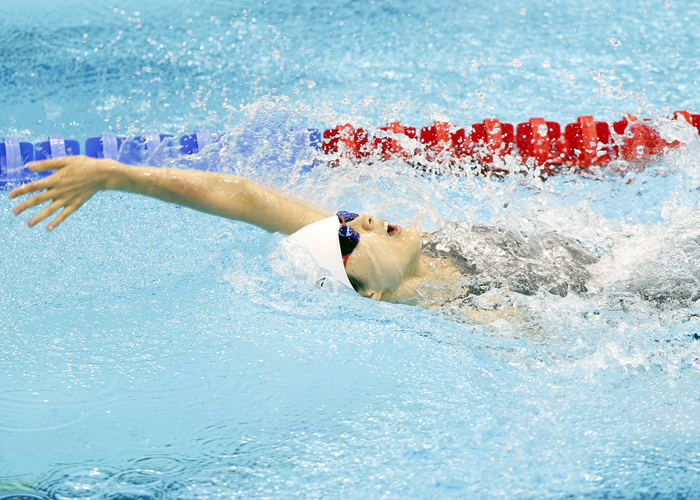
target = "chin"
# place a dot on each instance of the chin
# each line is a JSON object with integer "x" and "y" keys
{"x": 413, "y": 243}
{"x": 412, "y": 232}
{"x": 414, "y": 235}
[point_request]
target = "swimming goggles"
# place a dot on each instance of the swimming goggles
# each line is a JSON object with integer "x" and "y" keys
{"x": 349, "y": 238}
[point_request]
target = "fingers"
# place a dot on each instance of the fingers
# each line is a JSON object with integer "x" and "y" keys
{"x": 69, "y": 206}
{"x": 47, "y": 211}
{"x": 32, "y": 202}
{"x": 62, "y": 216}
{"x": 40, "y": 166}
{"x": 29, "y": 187}
{"x": 50, "y": 164}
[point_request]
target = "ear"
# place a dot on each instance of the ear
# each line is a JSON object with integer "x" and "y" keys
{"x": 372, "y": 294}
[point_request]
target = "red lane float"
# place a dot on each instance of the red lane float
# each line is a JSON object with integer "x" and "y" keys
{"x": 436, "y": 139}
{"x": 693, "y": 120}
{"x": 489, "y": 143}
{"x": 537, "y": 143}
{"x": 536, "y": 140}
{"x": 388, "y": 147}
{"x": 346, "y": 141}
{"x": 491, "y": 139}
{"x": 586, "y": 143}
{"x": 639, "y": 140}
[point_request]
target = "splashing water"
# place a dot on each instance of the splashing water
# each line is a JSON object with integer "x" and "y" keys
{"x": 149, "y": 351}
{"x": 582, "y": 367}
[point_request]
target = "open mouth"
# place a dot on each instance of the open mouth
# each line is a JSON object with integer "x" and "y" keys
{"x": 393, "y": 229}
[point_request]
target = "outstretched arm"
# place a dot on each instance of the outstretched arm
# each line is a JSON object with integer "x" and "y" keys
{"x": 229, "y": 196}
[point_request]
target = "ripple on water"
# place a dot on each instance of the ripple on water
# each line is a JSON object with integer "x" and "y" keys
{"x": 78, "y": 481}
{"x": 152, "y": 471}
{"x": 133, "y": 494}
{"x": 143, "y": 478}
{"x": 22, "y": 495}
{"x": 54, "y": 406}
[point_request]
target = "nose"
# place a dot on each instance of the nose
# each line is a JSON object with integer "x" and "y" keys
{"x": 366, "y": 221}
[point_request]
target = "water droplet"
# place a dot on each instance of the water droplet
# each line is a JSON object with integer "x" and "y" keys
{"x": 523, "y": 12}
{"x": 614, "y": 42}
{"x": 517, "y": 63}
{"x": 542, "y": 130}
{"x": 546, "y": 64}
{"x": 276, "y": 54}
{"x": 640, "y": 150}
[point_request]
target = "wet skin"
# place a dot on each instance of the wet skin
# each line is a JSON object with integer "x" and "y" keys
{"x": 386, "y": 255}
{"x": 387, "y": 260}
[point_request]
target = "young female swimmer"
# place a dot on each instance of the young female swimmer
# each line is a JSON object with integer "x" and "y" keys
{"x": 385, "y": 263}
{"x": 379, "y": 260}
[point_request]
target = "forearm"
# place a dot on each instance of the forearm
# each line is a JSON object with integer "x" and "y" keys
{"x": 219, "y": 194}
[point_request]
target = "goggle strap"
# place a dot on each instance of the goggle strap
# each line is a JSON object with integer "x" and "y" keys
{"x": 353, "y": 238}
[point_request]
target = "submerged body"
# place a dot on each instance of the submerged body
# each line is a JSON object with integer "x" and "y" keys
{"x": 490, "y": 257}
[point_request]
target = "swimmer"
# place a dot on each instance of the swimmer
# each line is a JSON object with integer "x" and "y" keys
{"x": 379, "y": 260}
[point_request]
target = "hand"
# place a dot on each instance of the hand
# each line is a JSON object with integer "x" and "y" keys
{"x": 77, "y": 179}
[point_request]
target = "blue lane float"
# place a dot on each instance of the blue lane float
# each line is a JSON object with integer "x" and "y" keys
{"x": 14, "y": 154}
{"x": 105, "y": 146}
{"x": 56, "y": 147}
{"x": 150, "y": 148}
{"x": 192, "y": 143}
{"x": 152, "y": 140}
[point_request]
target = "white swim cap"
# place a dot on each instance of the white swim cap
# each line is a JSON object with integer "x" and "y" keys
{"x": 321, "y": 240}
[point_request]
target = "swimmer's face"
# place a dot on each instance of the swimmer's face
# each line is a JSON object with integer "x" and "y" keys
{"x": 385, "y": 255}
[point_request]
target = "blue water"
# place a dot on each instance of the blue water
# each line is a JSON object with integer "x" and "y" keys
{"x": 147, "y": 351}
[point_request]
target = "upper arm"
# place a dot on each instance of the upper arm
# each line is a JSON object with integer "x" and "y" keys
{"x": 225, "y": 195}
{"x": 277, "y": 212}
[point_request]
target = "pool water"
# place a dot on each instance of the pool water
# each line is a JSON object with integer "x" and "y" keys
{"x": 148, "y": 351}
